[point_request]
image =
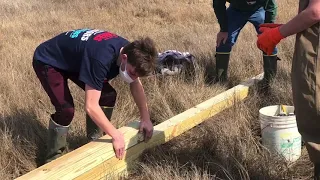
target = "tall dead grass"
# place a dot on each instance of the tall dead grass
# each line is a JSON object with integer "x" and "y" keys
{"x": 227, "y": 146}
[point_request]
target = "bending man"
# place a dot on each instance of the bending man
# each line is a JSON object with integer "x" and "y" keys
{"x": 90, "y": 58}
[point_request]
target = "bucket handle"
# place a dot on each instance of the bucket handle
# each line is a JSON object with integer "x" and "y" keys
{"x": 269, "y": 125}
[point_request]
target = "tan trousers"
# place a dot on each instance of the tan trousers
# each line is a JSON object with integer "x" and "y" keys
{"x": 306, "y": 87}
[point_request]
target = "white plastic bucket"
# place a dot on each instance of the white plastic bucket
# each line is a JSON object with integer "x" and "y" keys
{"x": 280, "y": 133}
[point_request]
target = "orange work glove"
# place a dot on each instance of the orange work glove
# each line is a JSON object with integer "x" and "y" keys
{"x": 270, "y": 25}
{"x": 269, "y": 38}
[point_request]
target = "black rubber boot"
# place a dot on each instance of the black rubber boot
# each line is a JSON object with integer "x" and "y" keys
{"x": 316, "y": 172}
{"x": 57, "y": 140}
{"x": 93, "y": 130}
{"x": 222, "y": 63}
{"x": 270, "y": 71}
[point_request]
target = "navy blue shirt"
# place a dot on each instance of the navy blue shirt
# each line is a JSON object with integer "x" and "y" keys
{"x": 92, "y": 53}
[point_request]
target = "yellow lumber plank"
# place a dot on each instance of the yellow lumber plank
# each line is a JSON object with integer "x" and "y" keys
{"x": 83, "y": 158}
{"x": 96, "y": 160}
{"x": 167, "y": 130}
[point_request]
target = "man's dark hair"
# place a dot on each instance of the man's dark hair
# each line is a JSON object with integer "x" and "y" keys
{"x": 142, "y": 54}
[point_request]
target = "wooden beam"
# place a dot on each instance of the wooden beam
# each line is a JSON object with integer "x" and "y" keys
{"x": 96, "y": 160}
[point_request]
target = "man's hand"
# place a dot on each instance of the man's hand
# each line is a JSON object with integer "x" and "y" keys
{"x": 269, "y": 38}
{"x": 222, "y": 36}
{"x": 94, "y": 110}
{"x": 146, "y": 127}
{"x": 268, "y": 26}
{"x": 118, "y": 144}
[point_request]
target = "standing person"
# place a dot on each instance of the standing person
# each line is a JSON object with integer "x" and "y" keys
{"x": 90, "y": 58}
{"x": 305, "y": 71}
{"x": 231, "y": 21}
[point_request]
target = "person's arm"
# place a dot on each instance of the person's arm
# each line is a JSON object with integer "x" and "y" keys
{"x": 94, "y": 110}
{"x": 271, "y": 11}
{"x": 303, "y": 20}
{"x": 93, "y": 72}
{"x": 220, "y": 11}
{"x": 140, "y": 99}
{"x": 272, "y": 33}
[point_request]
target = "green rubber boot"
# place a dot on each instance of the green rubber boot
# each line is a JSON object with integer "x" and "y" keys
{"x": 93, "y": 130}
{"x": 270, "y": 71}
{"x": 57, "y": 141}
{"x": 222, "y": 63}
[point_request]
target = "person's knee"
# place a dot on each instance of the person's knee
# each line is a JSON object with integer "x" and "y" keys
{"x": 260, "y": 19}
{"x": 64, "y": 115}
{"x": 313, "y": 151}
{"x": 68, "y": 113}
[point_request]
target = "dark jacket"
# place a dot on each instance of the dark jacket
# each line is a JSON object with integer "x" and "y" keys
{"x": 219, "y": 7}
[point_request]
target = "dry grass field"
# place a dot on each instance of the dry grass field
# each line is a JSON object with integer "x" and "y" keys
{"x": 226, "y": 146}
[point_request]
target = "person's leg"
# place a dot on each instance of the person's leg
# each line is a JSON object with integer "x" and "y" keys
{"x": 106, "y": 102}
{"x": 308, "y": 122}
{"x": 236, "y": 21}
{"x": 55, "y": 85}
{"x": 269, "y": 62}
{"x": 306, "y": 95}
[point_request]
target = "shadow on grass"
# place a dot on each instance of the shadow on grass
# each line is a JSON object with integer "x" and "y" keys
{"x": 25, "y": 130}
{"x": 206, "y": 160}
{"x": 206, "y": 64}
{"x": 76, "y": 141}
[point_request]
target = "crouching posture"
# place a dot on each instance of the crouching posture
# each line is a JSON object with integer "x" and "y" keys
{"x": 91, "y": 58}
{"x": 231, "y": 21}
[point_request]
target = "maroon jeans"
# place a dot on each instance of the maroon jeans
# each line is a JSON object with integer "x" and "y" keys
{"x": 55, "y": 83}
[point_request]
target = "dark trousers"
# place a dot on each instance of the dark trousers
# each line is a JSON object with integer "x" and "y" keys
{"x": 236, "y": 21}
{"x": 55, "y": 83}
